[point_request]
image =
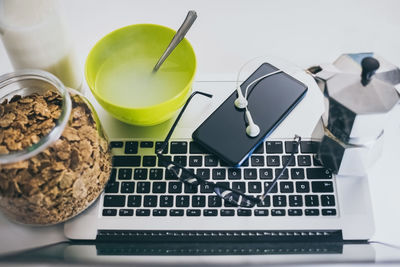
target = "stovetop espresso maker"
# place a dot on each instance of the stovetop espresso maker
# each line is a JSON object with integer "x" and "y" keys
{"x": 359, "y": 91}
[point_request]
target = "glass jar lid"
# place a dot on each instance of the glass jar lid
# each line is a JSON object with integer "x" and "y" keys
{"x": 27, "y": 82}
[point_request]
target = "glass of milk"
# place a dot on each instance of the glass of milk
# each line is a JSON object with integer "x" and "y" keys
{"x": 35, "y": 37}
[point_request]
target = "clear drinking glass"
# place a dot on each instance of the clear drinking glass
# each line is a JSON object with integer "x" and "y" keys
{"x": 36, "y": 37}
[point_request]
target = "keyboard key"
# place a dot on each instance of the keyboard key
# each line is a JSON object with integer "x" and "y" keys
{"x": 131, "y": 147}
{"x": 112, "y": 187}
{"x": 284, "y": 175}
{"x": 142, "y": 212}
{"x": 150, "y": 201}
{"x": 318, "y": 173}
{"x": 158, "y": 146}
{"x": 113, "y": 175}
{"x": 159, "y": 187}
{"x": 223, "y": 184}
{"x": 285, "y": 159}
{"x": 219, "y": 174}
{"x": 227, "y": 212}
{"x": 274, "y": 147}
{"x": 114, "y": 201}
{"x": 265, "y": 203}
{"x": 134, "y": 201}
{"x": 181, "y": 160}
{"x": 191, "y": 189}
{"x": 286, "y": 187}
{"x": 175, "y": 187}
{"x": 224, "y": 164}
{"x": 304, "y": 160}
{"x": 209, "y": 212}
{"x": 295, "y": 212}
{"x": 195, "y": 161}
{"x": 125, "y": 174}
{"x": 194, "y": 148}
{"x": 289, "y": 147}
{"x": 125, "y": 212}
{"x": 159, "y": 212}
{"x": 169, "y": 175}
{"x": 250, "y": 174}
{"x": 166, "y": 201}
{"x": 312, "y": 201}
{"x": 273, "y": 161}
{"x": 327, "y": 200}
{"x": 322, "y": 187}
{"x": 273, "y": 190}
{"x": 278, "y": 212}
{"x": 178, "y": 147}
{"x": 127, "y": 187}
{"x": 257, "y": 161}
{"x": 302, "y": 187}
{"x": 126, "y": 161}
{"x": 240, "y": 186}
{"x": 143, "y": 187}
{"x": 109, "y": 212}
{"x": 206, "y": 189}
{"x": 259, "y": 149}
{"x": 140, "y": 174}
{"x": 116, "y": 144}
{"x": 163, "y": 163}
{"x": 176, "y": 212}
{"x": 266, "y": 173}
{"x": 254, "y": 187}
{"x": 295, "y": 201}
{"x": 182, "y": 201}
{"x": 210, "y": 161}
{"x": 308, "y": 147}
{"x": 316, "y": 162}
{"x": 311, "y": 212}
{"x": 297, "y": 173}
{"x": 198, "y": 201}
{"x": 149, "y": 161}
{"x": 146, "y": 144}
{"x": 156, "y": 174}
{"x": 203, "y": 173}
{"x": 328, "y": 212}
{"x": 214, "y": 201}
{"x": 228, "y": 204}
{"x": 193, "y": 212}
{"x": 234, "y": 174}
{"x": 260, "y": 212}
{"x": 279, "y": 201}
{"x": 243, "y": 212}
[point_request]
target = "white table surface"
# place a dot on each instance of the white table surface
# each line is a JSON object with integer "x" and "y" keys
{"x": 226, "y": 34}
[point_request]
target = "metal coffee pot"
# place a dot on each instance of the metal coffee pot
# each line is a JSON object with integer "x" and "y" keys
{"x": 359, "y": 91}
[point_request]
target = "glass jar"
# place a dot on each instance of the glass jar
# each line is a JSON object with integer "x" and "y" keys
{"x": 54, "y": 156}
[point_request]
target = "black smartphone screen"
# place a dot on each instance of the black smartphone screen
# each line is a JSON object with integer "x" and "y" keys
{"x": 223, "y": 133}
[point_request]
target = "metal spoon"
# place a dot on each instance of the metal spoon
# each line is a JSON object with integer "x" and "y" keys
{"x": 178, "y": 37}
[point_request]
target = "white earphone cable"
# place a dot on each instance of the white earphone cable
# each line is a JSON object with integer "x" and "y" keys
{"x": 258, "y": 79}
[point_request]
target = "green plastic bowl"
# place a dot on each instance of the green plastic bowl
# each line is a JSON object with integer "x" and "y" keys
{"x": 133, "y": 44}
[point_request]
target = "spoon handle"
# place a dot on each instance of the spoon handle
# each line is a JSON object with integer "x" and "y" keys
{"x": 178, "y": 37}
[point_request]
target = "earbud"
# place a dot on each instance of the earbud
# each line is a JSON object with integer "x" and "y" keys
{"x": 241, "y": 101}
{"x": 252, "y": 129}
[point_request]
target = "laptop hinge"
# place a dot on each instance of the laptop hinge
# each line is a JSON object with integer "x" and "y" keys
{"x": 221, "y": 236}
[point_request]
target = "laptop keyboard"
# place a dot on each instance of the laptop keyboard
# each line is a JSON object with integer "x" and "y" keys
{"x": 140, "y": 186}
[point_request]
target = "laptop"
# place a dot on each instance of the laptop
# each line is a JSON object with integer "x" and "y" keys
{"x": 142, "y": 203}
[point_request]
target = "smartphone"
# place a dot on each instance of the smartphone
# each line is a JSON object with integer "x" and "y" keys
{"x": 223, "y": 133}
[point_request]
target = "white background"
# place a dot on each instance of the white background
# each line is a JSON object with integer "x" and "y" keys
{"x": 227, "y": 34}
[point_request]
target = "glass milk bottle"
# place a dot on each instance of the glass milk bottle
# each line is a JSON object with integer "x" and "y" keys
{"x": 35, "y": 37}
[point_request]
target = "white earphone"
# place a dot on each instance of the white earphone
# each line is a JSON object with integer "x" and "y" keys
{"x": 241, "y": 102}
